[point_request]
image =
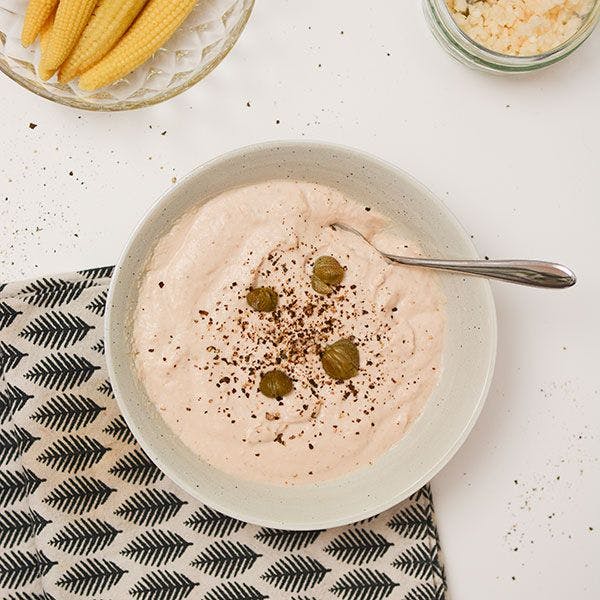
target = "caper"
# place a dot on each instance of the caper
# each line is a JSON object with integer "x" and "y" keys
{"x": 275, "y": 384}
{"x": 340, "y": 360}
{"x": 320, "y": 286}
{"x": 327, "y": 273}
{"x": 328, "y": 270}
{"x": 263, "y": 299}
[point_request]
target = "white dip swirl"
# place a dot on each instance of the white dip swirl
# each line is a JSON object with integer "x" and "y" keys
{"x": 200, "y": 349}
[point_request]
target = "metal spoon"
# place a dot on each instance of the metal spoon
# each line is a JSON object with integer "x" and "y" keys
{"x": 526, "y": 272}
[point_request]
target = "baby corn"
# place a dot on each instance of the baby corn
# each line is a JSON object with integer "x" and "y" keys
{"x": 45, "y": 34}
{"x": 71, "y": 18}
{"x": 109, "y": 22}
{"x": 155, "y": 25}
{"x": 36, "y": 15}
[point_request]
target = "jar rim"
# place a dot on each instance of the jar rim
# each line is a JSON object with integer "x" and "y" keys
{"x": 491, "y": 58}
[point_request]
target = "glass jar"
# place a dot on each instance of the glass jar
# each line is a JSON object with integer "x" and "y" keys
{"x": 461, "y": 47}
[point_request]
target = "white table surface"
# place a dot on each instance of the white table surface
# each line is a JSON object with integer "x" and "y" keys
{"x": 517, "y": 159}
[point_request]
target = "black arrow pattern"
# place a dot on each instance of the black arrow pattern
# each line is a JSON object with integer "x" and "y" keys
{"x": 85, "y": 536}
{"x": 106, "y": 388}
{"x": 90, "y": 577}
{"x": 61, "y": 371}
{"x": 364, "y": 584}
{"x": 84, "y": 513}
{"x": 163, "y": 585}
{"x": 427, "y": 591}
{"x": 137, "y": 468}
{"x": 30, "y": 596}
{"x": 56, "y": 330}
{"x": 212, "y": 523}
{"x": 7, "y": 315}
{"x": 12, "y": 400}
{"x": 67, "y": 412}
{"x": 414, "y": 522}
{"x": 79, "y": 495}
{"x": 97, "y": 272}
{"x": 235, "y": 591}
{"x": 49, "y": 292}
{"x": 16, "y": 486}
{"x": 19, "y": 568}
{"x": 226, "y": 559}
{"x": 98, "y": 347}
{"x": 98, "y": 304}
{"x": 73, "y": 453}
{"x": 420, "y": 561}
{"x": 285, "y": 540}
{"x": 19, "y": 526}
{"x": 14, "y": 443}
{"x": 358, "y": 546}
{"x": 150, "y": 507}
{"x": 295, "y": 573}
{"x": 156, "y": 547}
{"x": 118, "y": 429}
{"x": 10, "y": 357}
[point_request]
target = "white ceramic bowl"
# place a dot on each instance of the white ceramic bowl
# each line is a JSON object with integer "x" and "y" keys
{"x": 450, "y": 412}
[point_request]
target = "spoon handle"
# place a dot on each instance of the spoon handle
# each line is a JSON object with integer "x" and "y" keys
{"x": 535, "y": 273}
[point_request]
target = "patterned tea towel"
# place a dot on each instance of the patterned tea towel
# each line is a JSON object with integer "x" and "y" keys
{"x": 85, "y": 514}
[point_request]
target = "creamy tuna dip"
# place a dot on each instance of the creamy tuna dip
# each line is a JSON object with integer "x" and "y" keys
{"x": 200, "y": 349}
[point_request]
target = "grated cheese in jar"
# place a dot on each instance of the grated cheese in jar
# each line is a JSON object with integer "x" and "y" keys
{"x": 520, "y": 27}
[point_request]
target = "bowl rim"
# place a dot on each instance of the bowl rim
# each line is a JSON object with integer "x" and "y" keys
{"x": 238, "y": 512}
{"x": 123, "y": 105}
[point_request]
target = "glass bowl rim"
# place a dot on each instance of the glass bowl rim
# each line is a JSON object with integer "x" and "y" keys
{"x": 123, "y": 105}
